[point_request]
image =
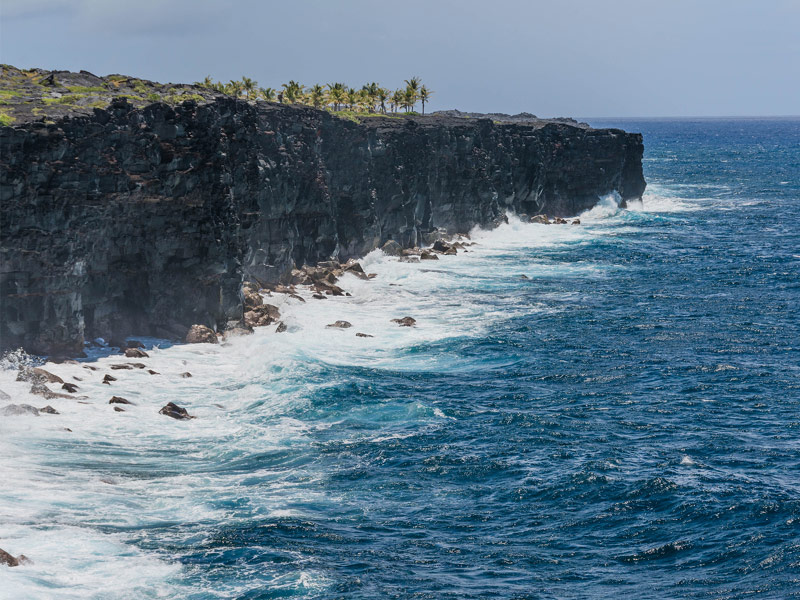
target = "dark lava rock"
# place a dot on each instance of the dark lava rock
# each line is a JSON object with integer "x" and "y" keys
{"x": 576, "y": 222}
{"x": 119, "y": 409}
{"x": 524, "y": 277}
{"x": 175, "y": 411}
{"x": 122, "y": 367}
{"x": 137, "y": 365}
{"x": 119, "y": 400}
{"x": 318, "y": 296}
{"x": 281, "y": 327}
{"x": 41, "y": 389}
{"x": 541, "y": 219}
{"x": 410, "y": 259}
{"x": 200, "y": 334}
{"x": 7, "y": 559}
{"x": 136, "y": 353}
{"x": 70, "y": 387}
{"x": 186, "y": 375}
{"x": 392, "y": 248}
{"x": 405, "y": 321}
{"x": 15, "y": 410}
{"x": 49, "y": 410}
{"x": 153, "y": 372}
{"x": 108, "y": 379}
{"x": 359, "y": 334}
{"x": 339, "y": 325}
{"x": 37, "y": 375}
{"x": 427, "y": 255}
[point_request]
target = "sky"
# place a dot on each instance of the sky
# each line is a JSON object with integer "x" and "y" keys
{"x": 582, "y": 58}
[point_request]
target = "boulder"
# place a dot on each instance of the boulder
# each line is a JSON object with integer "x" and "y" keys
{"x": 119, "y": 400}
{"x": 318, "y": 296}
{"x": 15, "y": 410}
{"x": 541, "y": 219}
{"x": 339, "y": 325}
{"x": 576, "y": 222}
{"x": 108, "y": 379}
{"x": 175, "y": 411}
{"x": 37, "y": 374}
{"x": 49, "y": 410}
{"x": 186, "y": 375}
{"x": 365, "y": 335}
{"x": 134, "y": 344}
{"x": 153, "y": 372}
{"x": 41, "y": 389}
{"x": 524, "y": 277}
{"x": 410, "y": 259}
{"x": 200, "y": 334}
{"x": 427, "y": 255}
{"x": 119, "y": 409}
{"x": 441, "y": 246}
{"x": 122, "y": 367}
{"x": 252, "y": 299}
{"x": 392, "y": 248}
{"x": 70, "y": 387}
{"x": 261, "y": 315}
{"x": 281, "y": 327}
{"x": 559, "y": 221}
{"x": 405, "y": 322}
{"x": 136, "y": 353}
{"x": 7, "y": 559}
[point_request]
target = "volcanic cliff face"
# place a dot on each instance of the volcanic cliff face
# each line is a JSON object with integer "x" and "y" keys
{"x": 147, "y": 220}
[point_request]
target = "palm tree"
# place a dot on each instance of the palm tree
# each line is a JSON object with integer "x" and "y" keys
{"x": 353, "y": 98}
{"x": 409, "y": 99}
{"x": 397, "y": 100}
{"x": 337, "y": 94}
{"x": 383, "y": 96}
{"x": 424, "y": 96}
{"x": 292, "y": 91}
{"x": 267, "y": 94}
{"x": 234, "y": 88}
{"x": 317, "y": 95}
{"x": 250, "y": 88}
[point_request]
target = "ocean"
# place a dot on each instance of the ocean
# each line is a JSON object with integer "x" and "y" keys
{"x": 623, "y": 422}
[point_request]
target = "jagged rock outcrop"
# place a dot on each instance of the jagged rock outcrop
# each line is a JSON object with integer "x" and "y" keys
{"x": 148, "y": 220}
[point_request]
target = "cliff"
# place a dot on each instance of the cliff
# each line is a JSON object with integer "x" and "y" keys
{"x": 146, "y": 220}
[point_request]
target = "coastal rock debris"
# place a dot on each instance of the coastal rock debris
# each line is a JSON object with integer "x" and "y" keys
{"x": 405, "y": 321}
{"x": 176, "y": 412}
{"x": 200, "y": 334}
{"x": 136, "y": 353}
{"x": 339, "y": 325}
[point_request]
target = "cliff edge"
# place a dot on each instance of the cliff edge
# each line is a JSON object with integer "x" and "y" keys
{"x": 145, "y": 218}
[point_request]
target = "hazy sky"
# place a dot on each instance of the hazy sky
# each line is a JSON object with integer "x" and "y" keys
{"x": 553, "y": 58}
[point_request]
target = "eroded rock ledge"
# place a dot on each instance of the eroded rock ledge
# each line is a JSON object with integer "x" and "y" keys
{"x": 147, "y": 220}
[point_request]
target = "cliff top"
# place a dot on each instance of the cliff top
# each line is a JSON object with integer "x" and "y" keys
{"x": 28, "y": 95}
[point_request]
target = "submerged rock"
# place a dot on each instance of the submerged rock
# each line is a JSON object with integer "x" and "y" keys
{"x": 49, "y": 410}
{"x": 186, "y": 375}
{"x": 108, "y": 379}
{"x": 364, "y": 335}
{"x": 175, "y": 411}
{"x": 281, "y": 327}
{"x": 200, "y": 334}
{"x": 405, "y": 321}
{"x": 136, "y": 353}
{"x": 119, "y": 400}
{"x": 119, "y": 409}
{"x": 7, "y": 559}
{"x": 15, "y": 410}
{"x": 576, "y": 222}
{"x": 339, "y": 325}
{"x": 70, "y": 387}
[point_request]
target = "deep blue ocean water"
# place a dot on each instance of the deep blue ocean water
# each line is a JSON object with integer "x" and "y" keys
{"x": 623, "y": 424}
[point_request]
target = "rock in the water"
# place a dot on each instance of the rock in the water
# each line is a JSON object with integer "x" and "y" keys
{"x": 136, "y": 353}
{"x": 409, "y": 259}
{"x": 318, "y": 296}
{"x": 122, "y": 367}
{"x": 405, "y": 321}
{"x": 427, "y": 255}
{"x": 200, "y": 334}
{"x": 70, "y": 387}
{"x": 49, "y": 410}
{"x": 15, "y": 410}
{"x": 41, "y": 389}
{"x": 119, "y": 400}
{"x": 441, "y": 246}
{"x": 576, "y": 222}
{"x": 392, "y": 248}
{"x": 261, "y": 315}
{"x": 134, "y": 344}
{"x": 281, "y": 327}
{"x": 339, "y": 325}
{"x": 359, "y": 334}
{"x": 153, "y": 372}
{"x": 175, "y": 411}
{"x": 119, "y": 409}
{"x": 524, "y": 277}
{"x": 186, "y": 375}
{"x": 108, "y": 379}
{"x": 7, "y": 559}
{"x": 542, "y": 219}
{"x": 559, "y": 221}
{"x": 37, "y": 374}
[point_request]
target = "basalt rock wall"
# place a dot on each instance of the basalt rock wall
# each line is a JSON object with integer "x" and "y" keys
{"x": 146, "y": 221}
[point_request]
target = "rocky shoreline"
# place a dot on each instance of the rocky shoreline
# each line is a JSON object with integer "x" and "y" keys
{"x": 147, "y": 219}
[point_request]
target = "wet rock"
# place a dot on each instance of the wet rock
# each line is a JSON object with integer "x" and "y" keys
{"x": 371, "y": 275}
{"x": 122, "y": 367}
{"x": 427, "y": 255}
{"x": 356, "y": 269}
{"x": 119, "y": 409}
{"x": 524, "y": 277}
{"x": 339, "y": 325}
{"x": 136, "y": 353}
{"x": 261, "y": 315}
{"x": 175, "y": 411}
{"x": 252, "y": 299}
{"x": 37, "y": 374}
{"x": 153, "y": 372}
{"x": 405, "y": 322}
{"x": 186, "y": 375}
{"x": 576, "y": 222}
{"x": 200, "y": 334}
{"x": 559, "y": 221}
{"x": 410, "y": 259}
{"x": 392, "y": 248}
{"x": 318, "y": 296}
{"x": 281, "y": 327}
{"x": 441, "y": 246}
{"x": 364, "y": 335}
{"x": 16, "y": 410}
{"x": 108, "y": 379}
{"x": 70, "y": 387}
{"x": 49, "y": 410}
{"x": 119, "y": 400}
{"x": 41, "y": 389}
{"x": 90, "y": 367}
{"x": 134, "y": 344}
{"x": 411, "y": 251}
{"x": 541, "y": 219}
{"x": 7, "y": 559}
{"x": 237, "y": 332}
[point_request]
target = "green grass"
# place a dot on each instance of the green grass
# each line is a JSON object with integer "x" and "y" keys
{"x": 6, "y": 120}
{"x": 82, "y": 89}
{"x": 9, "y": 93}
{"x": 98, "y": 104}
{"x": 154, "y": 97}
{"x": 62, "y": 100}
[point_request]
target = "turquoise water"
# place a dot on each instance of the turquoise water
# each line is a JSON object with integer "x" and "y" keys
{"x": 624, "y": 423}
